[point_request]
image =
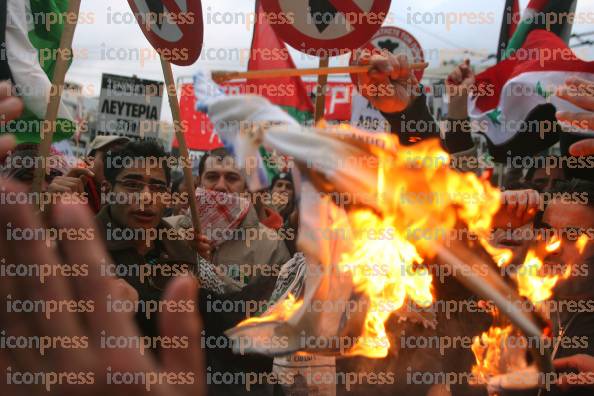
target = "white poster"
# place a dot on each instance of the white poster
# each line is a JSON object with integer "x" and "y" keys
{"x": 365, "y": 116}
{"x": 130, "y": 107}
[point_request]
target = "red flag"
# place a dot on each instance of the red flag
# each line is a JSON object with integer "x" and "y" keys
{"x": 198, "y": 129}
{"x": 537, "y": 5}
{"x": 270, "y": 52}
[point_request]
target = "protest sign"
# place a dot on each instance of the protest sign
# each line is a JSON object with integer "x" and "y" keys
{"x": 365, "y": 116}
{"x": 326, "y": 28}
{"x": 329, "y": 27}
{"x": 173, "y": 27}
{"x": 129, "y": 107}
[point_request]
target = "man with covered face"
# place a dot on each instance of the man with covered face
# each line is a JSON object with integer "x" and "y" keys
{"x": 243, "y": 248}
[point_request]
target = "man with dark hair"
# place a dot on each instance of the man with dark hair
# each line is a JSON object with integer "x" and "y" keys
{"x": 282, "y": 190}
{"x": 147, "y": 252}
{"x": 248, "y": 243}
{"x": 283, "y": 201}
{"x": 222, "y": 182}
{"x": 97, "y": 363}
{"x": 217, "y": 171}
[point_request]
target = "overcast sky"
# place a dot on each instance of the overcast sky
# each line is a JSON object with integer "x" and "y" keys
{"x": 92, "y": 39}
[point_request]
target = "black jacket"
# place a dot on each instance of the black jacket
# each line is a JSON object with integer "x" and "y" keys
{"x": 124, "y": 253}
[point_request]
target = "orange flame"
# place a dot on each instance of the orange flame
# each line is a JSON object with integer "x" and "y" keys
{"x": 418, "y": 200}
{"x": 280, "y": 312}
{"x": 534, "y": 284}
{"x": 490, "y": 351}
{"x": 388, "y": 272}
{"x": 582, "y": 242}
{"x": 421, "y": 205}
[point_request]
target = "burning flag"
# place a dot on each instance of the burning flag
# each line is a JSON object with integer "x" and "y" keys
{"x": 370, "y": 213}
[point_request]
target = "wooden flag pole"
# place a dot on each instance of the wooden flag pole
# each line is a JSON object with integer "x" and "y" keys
{"x": 48, "y": 127}
{"x": 183, "y": 147}
{"x": 223, "y": 76}
{"x": 321, "y": 90}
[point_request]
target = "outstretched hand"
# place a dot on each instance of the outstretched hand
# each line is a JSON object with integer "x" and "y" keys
{"x": 459, "y": 85}
{"x": 582, "y": 367}
{"x": 71, "y": 367}
{"x": 580, "y": 93}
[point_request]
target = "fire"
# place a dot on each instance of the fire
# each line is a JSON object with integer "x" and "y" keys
{"x": 533, "y": 286}
{"x": 491, "y": 351}
{"x": 279, "y": 312}
{"x": 420, "y": 200}
{"x": 388, "y": 272}
{"x": 582, "y": 242}
{"x": 492, "y": 348}
{"x": 533, "y": 281}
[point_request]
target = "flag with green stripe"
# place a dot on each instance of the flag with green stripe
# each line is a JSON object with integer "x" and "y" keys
{"x": 291, "y": 93}
{"x": 542, "y": 14}
{"x": 33, "y": 32}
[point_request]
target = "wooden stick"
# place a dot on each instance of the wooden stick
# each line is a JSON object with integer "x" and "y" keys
{"x": 49, "y": 125}
{"x": 222, "y": 76}
{"x": 321, "y": 94}
{"x": 181, "y": 140}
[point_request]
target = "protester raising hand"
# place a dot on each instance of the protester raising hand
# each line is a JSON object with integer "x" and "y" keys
{"x": 459, "y": 85}
{"x": 389, "y": 86}
{"x": 581, "y": 93}
{"x": 180, "y": 373}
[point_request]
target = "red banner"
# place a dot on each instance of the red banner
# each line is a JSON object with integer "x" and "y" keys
{"x": 199, "y": 130}
{"x": 339, "y": 98}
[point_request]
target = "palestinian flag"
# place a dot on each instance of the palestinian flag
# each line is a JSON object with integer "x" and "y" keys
{"x": 31, "y": 51}
{"x": 511, "y": 19}
{"x": 518, "y": 88}
{"x": 527, "y": 24}
{"x": 536, "y": 16}
{"x": 269, "y": 52}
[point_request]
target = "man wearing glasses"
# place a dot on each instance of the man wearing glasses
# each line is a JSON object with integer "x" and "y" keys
{"x": 147, "y": 252}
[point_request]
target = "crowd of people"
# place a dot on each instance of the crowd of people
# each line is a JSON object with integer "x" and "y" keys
{"x": 151, "y": 274}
